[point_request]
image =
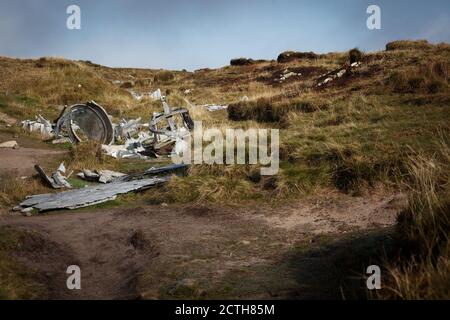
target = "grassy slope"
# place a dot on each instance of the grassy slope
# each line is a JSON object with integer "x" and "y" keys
{"x": 355, "y": 133}
{"x": 18, "y": 281}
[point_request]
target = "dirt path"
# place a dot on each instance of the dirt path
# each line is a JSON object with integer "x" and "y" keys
{"x": 22, "y": 160}
{"x": 31, "y": 151}
{"x": 206, "y": 251}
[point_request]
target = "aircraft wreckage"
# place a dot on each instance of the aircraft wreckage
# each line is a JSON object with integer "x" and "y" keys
{"x": 127, "y": 139}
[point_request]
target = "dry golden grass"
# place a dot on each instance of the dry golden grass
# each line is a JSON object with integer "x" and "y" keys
{"x": 14, "y": 189}
{"x": 423, "y": 228}
{"x": 408, "y": 45}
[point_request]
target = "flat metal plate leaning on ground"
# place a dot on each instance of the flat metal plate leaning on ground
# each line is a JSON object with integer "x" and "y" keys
{"x": 88, "y": 196}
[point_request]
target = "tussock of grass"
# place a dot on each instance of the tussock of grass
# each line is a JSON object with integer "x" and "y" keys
{"x": 164, "y": 76}
{"x": 355, "y": 55}
{"x": 424, "y": 229}
{"x": 430, "y": 78}
{"x": 87, "y": 155}
{"x": 408, "y": 45}
{"x": 270, "y": 110}
{"x": 289, "y": 56}
{"x": 14, "y": 189}
{"x": 241, "y": 62}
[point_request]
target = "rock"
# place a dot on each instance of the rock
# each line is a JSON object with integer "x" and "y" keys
{"x": 9, "y": 145}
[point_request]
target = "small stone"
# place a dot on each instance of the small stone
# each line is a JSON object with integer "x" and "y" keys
{"x": 9, "y": 144}
{"x": 28, "y": 212}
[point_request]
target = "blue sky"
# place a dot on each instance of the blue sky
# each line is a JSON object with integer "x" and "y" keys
{"x": 191, "y": 34}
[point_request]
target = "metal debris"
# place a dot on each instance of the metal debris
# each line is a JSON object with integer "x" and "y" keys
{"x": 40, "y": 125}
{"x": 61, "y": 141}
{"x": 127, "y": 128}
{"x": 156, "y": 95}
{"x": 134, "y": 139}
{"x": 133, "y": 148}
{"x": 137, "y": 96}
{"x": 57, "y": 180}
{"x": 165, "y": 129}
{"x": 85, "y": 122}
{"x": 88, "y": 196}
{"x": 214, "y": 107}
{"x": 88, "y": 175}
{"x": 102, "y": 176}
{"x": 179, "y": 169}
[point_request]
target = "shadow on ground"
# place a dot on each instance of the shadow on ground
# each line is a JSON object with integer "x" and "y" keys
{"x": 324, "y": 268}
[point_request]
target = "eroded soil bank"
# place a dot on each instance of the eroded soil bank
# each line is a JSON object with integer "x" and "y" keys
{"x": 316, "y": 247}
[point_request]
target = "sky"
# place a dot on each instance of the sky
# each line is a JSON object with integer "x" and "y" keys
{"x": 192, "y": 34}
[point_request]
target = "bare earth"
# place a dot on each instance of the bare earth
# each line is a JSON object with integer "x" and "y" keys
{"x": 204, "y": 251}
{"x": 22, "y": 160}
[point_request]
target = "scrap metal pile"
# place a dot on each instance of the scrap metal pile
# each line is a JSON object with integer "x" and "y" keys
{"x": 161, "y": 136}
{"x": 95, "y": 194}
{"x": 127, "y": 139}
